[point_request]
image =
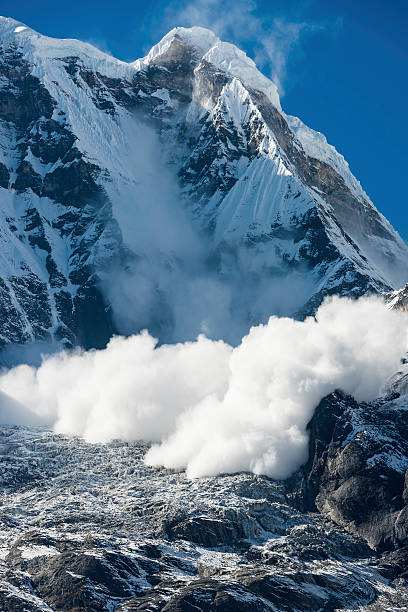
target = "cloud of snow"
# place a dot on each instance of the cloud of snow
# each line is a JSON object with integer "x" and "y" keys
{"x": 169, "y": 277}
{"x": 209, "y": 407}
{"x": 243, "y": 23}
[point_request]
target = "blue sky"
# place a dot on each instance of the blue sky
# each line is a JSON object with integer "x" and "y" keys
{"x": 342, "y": 65}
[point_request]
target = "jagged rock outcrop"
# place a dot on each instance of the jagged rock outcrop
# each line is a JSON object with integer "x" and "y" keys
{"x": 399, "y": 299}
{"x": 356, "y": 473}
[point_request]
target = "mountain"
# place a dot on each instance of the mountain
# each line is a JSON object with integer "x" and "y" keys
{"x": 130, "y": 180}
{"x": 174, "y": 193}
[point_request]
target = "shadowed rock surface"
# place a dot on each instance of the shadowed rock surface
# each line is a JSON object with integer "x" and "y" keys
{"x": 357, "y": 468}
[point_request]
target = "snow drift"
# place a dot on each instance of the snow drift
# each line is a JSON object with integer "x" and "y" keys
{"x": 208, "y": 407}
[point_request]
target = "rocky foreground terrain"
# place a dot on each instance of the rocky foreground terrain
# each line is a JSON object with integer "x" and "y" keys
{"x": 90, "y": 527}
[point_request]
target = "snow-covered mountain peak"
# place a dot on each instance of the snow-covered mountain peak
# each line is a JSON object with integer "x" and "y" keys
{"x": 207, "y": 47}
{"x": 201, "y": 39}
{"x": 38, "y": 48}
{"x": 11, "y": 29}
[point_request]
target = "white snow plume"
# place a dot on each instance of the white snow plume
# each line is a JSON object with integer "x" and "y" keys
{"x": 157, "y": 232}
{"x": 241, "y": 21}
{"x": 209, "y": 407}
{"x": 158, "y": 287}
{"x": 169, "y": 284}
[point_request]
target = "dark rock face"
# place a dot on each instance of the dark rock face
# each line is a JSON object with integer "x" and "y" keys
{"x": 207, "y": 532}
{"x": 68, "y": 580}
{"x": 356, "y": 472}
{"x": 24, "y": 99}
{"x": 260, "y": 592}
{"x": 4, "y": 176}
{"x": 28, "y": 107}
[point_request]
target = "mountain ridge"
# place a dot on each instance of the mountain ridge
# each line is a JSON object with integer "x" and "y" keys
{"x": 271, "y": 197}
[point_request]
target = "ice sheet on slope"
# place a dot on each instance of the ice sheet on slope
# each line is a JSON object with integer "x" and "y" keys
{"x": 387, "y": 256}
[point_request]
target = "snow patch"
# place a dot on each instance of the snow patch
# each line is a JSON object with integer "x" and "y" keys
{"x": 31, "y": 552}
